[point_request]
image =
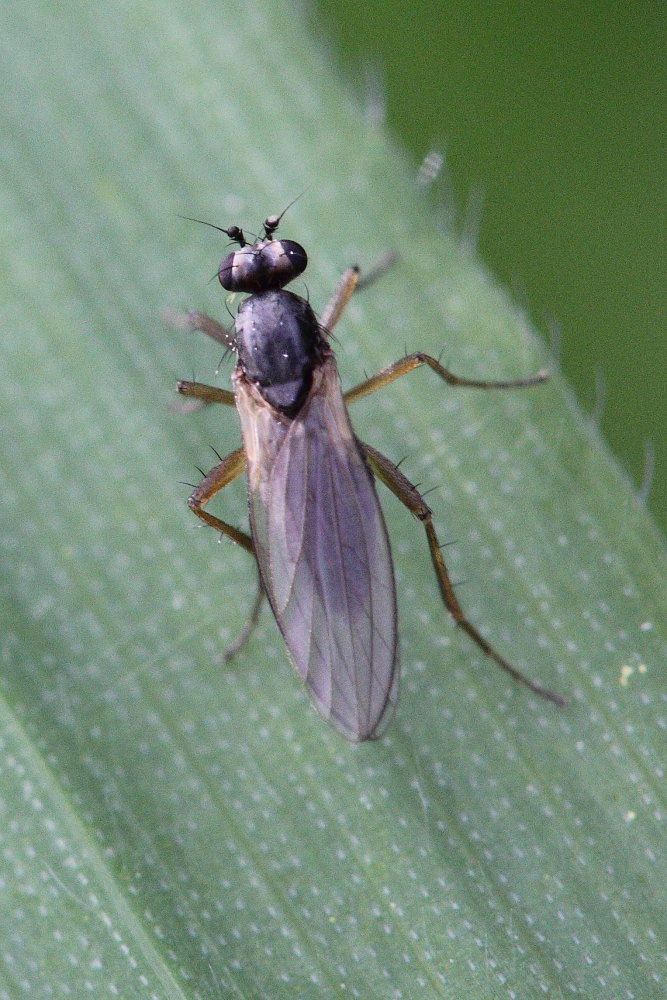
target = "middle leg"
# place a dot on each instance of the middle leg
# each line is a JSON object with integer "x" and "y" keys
{"x": 416, "y": 360}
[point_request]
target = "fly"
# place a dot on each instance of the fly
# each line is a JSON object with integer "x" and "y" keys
{"x": 316, "y": 527}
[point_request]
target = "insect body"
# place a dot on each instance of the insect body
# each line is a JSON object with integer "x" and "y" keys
{"x": 317, "y": 530}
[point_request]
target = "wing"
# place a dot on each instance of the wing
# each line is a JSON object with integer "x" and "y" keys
{"x": 323, "y": 553}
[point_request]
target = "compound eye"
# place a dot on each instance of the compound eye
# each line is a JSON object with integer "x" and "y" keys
{"x": 236, "y": 271}
{"x": 225, "y": 272}
{"x": 291, "y": 262}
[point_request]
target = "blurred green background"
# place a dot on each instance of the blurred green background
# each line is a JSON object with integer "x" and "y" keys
{"x": 557, "y": 112}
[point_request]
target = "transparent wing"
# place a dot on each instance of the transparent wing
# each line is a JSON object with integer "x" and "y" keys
{"x": 323, "y": 554}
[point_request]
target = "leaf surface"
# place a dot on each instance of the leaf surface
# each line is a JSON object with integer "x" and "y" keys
{"x": 175, "y": 828}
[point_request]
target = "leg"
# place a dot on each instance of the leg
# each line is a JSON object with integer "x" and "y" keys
{"x": 248, "y": 628}
{"x": 340, "y": 298}
{"x": 219, "y": 477}
{"x": 232, "y": 466}
{"x": 228, "y": 470}
{"x": 352, "y": 280}
{"x": 379, "y": 268}
{"x": 408, "y": 494}
{"x": 412, "y": 361}
{"x": 194, "y": 320}
{"x": 199, "y": 392}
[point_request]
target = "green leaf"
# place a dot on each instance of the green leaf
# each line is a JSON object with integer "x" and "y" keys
{"x": 175, "y": 828}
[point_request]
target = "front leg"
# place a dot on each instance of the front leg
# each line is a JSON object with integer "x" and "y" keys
{"x": 200, "y": 394}
{"x": 195, "y": 320}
